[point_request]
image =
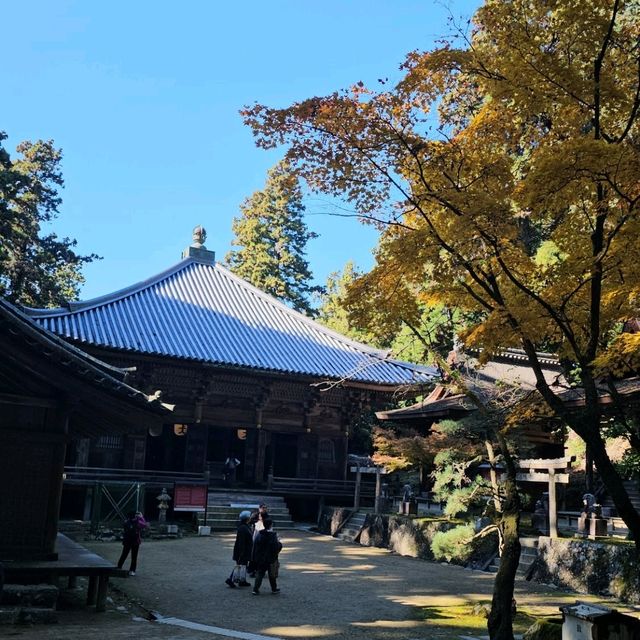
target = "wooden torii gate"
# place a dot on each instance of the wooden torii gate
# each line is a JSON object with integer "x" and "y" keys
{"x": 358, "y": 470}
{"x": 552, "y": 471}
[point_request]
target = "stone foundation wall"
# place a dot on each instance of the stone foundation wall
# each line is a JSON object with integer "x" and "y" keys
{"x": 332, "y": 518}
{"x": 589, "y": 567}
{"x": 400, "y": 534}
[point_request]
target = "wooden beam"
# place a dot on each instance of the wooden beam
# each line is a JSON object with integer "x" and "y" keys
{"x": 28, "y": 401}
{"x": 541, "y": 463}
{"x": 562, "y": 478}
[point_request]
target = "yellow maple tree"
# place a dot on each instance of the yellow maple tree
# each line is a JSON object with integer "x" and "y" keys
{"x": 504, "y": 173}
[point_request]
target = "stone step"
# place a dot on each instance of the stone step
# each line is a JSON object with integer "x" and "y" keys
{"x": 27, "y": 615}
{"x": 351, "y": 530}
{"x": 249, "y": 498}
{"x": 29, "y": 595}
{"x": 528, "y": 554}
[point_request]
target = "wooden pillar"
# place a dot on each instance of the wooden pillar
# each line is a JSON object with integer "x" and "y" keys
{"x": 101, "y": 599}
{"x": 259, "y": 455}
{"x": 56, "y": 474}
{"x": 345, "y": 461}
{"x": 553, "y": 506}
{"x": 378, "y": 489}
{"x": 92, "y": 590}
{"x": 356, "y": 496}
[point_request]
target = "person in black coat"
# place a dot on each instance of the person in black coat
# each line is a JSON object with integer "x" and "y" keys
{"x": 241, "y": 552}
{"x": 266, "y": 548}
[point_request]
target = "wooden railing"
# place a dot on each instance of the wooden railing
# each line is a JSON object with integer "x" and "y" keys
{"x": 317, "y": 486}
{"x": 569, "y": 520}
{"x": 300, "y": 486}
{"x": 100, "y": 474}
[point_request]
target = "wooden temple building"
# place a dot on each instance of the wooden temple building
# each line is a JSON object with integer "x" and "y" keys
{"x": 250, "y": 378}
{"x": 507, "y": 368}
{"x": 50, "y": 394}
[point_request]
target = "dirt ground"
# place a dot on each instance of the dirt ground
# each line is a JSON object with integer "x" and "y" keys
{"x": 331, "y": 590}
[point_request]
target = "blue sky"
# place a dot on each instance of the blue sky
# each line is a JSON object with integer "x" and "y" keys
{"x": 143, "y": 98}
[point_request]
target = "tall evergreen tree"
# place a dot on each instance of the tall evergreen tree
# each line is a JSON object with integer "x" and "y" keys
{"x": 332, "y": 311}
{"x": 36, "y": 268}
{"x": 271, "y": 237}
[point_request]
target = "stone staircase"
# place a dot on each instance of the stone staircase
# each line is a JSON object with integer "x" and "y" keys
{"x": 222, "y": 516}
{"x": 528, "y": 554}
{"x": 351, "y": 530}
{"x": 28, "y": 604}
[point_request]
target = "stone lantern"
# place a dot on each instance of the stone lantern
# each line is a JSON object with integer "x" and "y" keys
{"x": 163, "y": 504}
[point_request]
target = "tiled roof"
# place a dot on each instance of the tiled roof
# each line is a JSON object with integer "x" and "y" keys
{"x": 91, "y": 370}
{"x": 200, "y": 311}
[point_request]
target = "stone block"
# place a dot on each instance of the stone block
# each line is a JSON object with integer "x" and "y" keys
{"x": 27, "y": 615}
{"x": 29, "y": 595}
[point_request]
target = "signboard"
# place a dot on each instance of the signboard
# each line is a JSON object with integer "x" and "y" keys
{"x": 190, "y": 497}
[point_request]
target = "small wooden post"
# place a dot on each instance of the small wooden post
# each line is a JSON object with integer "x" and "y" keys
{"x": 92, "y": 590}
{"x": 378, "y": 489}
{"x": 101, "y": 600}
{"x": 553, "y": 509}
{"x": 356, "y": 496}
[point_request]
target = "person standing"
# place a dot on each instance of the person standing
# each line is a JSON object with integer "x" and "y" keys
{"x": 266, "y": 549}
{"x": 132, "y": 539}
{"x": 241, "y": 552}
{"x": 257, "y": 527}
{"x": 230, "y": 470}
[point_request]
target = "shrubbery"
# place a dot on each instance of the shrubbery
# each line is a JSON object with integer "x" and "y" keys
{"x": 453, "y": 545}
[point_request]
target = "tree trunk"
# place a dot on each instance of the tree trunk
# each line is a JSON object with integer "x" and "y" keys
{"x": 618, "y": 492}
{"x": 500, "y": 622}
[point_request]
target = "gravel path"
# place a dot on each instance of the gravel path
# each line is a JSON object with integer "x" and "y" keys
{"x": 330, "y": 590}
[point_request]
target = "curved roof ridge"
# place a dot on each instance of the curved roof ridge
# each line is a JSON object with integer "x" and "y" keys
{"x": 115, "y": 296}
{"x": 240, "y": 325}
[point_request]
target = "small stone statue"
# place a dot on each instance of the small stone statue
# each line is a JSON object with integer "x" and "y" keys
{"x": 199, "y": 236}
{"x": 163, "y": 504}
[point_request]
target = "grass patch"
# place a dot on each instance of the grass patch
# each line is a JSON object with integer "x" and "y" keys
{"x": 450, "y": 622}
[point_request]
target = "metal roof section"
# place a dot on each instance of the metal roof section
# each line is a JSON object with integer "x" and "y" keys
{"x": 198, "y": 310}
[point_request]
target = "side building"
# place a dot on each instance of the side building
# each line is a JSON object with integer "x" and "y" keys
{"x": 250, "y": 378}
{"x": 51, "y": 395}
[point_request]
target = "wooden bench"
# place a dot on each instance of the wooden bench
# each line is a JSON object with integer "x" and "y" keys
{"x": 73, "y": 560}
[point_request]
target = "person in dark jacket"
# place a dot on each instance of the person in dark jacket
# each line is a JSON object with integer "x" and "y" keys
{"x": 241, "y": 552}
{"x": 267, "y": 546}
{"x": 132, "y": 539}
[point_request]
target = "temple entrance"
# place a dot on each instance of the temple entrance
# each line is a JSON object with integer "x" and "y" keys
{"x": 223, "y": 443}
{"x": 166, "y": 451}
{"x": 284, "y": 449}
